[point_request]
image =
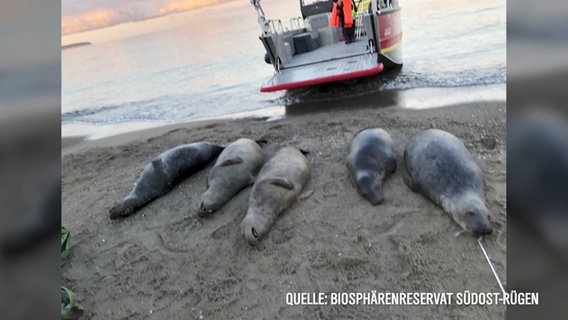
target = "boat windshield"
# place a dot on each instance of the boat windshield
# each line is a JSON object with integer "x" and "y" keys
{"x": 309, "y": 2}
{"x": 312, "y": 7}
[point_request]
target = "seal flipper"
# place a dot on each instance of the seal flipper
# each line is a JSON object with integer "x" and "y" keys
{"x": 120, "y": 210}
{"x": 230, "y": 162}
{"x": 281, "y": 182}
{"x": 226, "y": 163}
{"x": 252, "y": 179}
{"x": 306, "y": 193}
{"x": 125, "y": 208}
{"x": 157, "y": 164}
{"x": 410, "y": 182}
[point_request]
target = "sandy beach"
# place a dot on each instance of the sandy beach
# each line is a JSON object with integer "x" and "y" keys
{"x": 166, "y": 263}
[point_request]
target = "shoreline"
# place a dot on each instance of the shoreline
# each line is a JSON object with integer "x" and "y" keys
{"x": 167, "y": 262}
{"x": 78, "y": 142}
{"x": 411, "y": 99}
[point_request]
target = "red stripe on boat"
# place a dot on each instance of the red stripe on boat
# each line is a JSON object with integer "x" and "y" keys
{"x": 390, "y": 41}
{"x": 390, "y": 29}
{"x": 311, "y": 82}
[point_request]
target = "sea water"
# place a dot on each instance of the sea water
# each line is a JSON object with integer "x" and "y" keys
{"x": 210, "y": 63}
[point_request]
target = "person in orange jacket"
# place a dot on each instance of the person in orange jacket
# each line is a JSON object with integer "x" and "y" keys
{"x": 341, "y": 16}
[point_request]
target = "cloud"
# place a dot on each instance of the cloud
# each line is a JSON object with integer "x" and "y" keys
{"x": 184, "y": 5}
{"x": 98, "y": 18}
{"x": 78, "y": 16}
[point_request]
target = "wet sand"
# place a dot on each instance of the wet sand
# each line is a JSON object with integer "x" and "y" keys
{"x": 165, "y": 263}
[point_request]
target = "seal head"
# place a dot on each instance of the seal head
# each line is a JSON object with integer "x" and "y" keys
{"x": 254, "y": 227}
{"x": 207, "y": 203}
{"x": 471, "y": 214}
{"x": 369, "y": 186}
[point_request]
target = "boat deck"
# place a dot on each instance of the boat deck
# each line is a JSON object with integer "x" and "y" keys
{"x": 335, "y": 69}
{"x": 335, "y": 51}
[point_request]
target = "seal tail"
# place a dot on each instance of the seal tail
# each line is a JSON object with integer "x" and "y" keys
{"x": 125, "y": 208}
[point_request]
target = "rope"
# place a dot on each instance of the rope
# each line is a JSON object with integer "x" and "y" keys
{"x": 491, "y": 265}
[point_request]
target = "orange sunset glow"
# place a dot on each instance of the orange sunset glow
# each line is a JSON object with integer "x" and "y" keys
{"x": 100, "y": 18}
{"x": 106, "y": 16}
{"x": 185, "y": 5}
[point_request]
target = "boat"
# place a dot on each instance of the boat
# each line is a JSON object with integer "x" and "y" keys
{"x": 309, "y": 51}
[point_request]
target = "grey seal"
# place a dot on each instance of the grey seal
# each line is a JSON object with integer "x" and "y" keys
{"x": 371, "y": 160}
{"x": 277, "y": 187}
{"x": 442, "y": 169}
{"x": 164, "y": 172}
{"x": 235, "y": 169}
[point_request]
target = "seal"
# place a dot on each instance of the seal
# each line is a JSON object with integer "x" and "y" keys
{"x": 235, "y": 169}
{"x": 442, "y": 169}
{"x": 371, "y": 160}
{"x": 164, "y": 172}
{"x": 276, "y": 188}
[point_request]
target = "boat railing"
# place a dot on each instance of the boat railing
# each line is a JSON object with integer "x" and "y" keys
{"x": 277, "y": 27}
{"x": 387, "y": 4}
{"x": 297, "y": 23}
{"x": 359, "y": 27}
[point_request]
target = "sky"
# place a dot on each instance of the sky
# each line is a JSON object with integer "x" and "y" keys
{"x": 84, "y": 15}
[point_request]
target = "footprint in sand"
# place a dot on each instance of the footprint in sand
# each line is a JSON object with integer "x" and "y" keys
{"x": 223, "y": 290}
{"x": 330, "y": 189}
{"x": 281, "y": 236}
{"x": 221, "y": 232}
{"x": 129, "y": 255}
{"x": 289, "y": 268}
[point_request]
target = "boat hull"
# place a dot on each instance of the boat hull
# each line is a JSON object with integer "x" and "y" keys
{"x": 324, "y": 72}
{"x": 390, "y": 35}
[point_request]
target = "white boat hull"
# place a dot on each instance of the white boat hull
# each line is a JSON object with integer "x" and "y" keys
{"x": 323, "y": 72}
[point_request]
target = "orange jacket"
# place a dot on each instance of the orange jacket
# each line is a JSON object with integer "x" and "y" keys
{"x": 347, "y": 17}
